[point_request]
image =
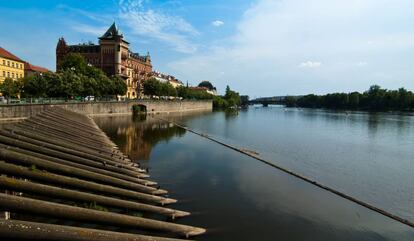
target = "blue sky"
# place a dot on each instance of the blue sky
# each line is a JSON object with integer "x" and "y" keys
{"x": 258, "y": 47}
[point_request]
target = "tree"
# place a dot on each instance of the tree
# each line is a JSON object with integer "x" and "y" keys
{"x": 34, "y": 86}
{"x": 10, "y": 88}
{"x": 219, "y": 102}
{"x": 55, "y": 85}
{"x": 375, "y": 98}
{"x": 120, "y": 87}
{"x": 151, "y": 87}
{"x": 290, "y": 101}
{"x": 207, "y": 84}
{"x": 244, "y": 100}
{"x": 75, "y": 78}
{"x": 74, "y": 61}
{"x": 233, "y": 98}
{"x": 354, "y": 100}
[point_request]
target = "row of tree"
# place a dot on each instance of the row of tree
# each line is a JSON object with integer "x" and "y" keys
{"x": 230, "y": 99}
{"x": 154, "y": 87}
{"x": 76, "y": 78}
{"x": 376, "y": 98}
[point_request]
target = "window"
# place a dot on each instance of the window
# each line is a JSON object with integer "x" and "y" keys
{"x": 4, "y": 73}
{"x": 8, "y": 74}
{"x": 12, "y": 75}
{"x": 4, "y": 62}
{"x": 8, "y": 63}
{"x": 12, "y": 64}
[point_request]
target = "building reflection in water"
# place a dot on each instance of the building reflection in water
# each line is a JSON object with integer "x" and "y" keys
{"x": 137, "y": 135}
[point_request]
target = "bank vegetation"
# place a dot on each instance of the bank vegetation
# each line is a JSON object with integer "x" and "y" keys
{"x": 376, "y": 99}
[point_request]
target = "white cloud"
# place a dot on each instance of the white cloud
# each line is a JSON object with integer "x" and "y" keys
{"x": 217, "y": 23}
{"x": 310, "y": 64}
{"x": 150, "y": 23}
{"x": 274, "y": 36}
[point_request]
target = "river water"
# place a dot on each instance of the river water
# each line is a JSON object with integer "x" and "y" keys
{"x": 367, "y": 155}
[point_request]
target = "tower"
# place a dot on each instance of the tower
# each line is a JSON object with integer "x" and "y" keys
{"x": 114, "y": 50}
{"x": 61, "y": 51}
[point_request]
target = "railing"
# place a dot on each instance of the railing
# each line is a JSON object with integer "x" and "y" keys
{"x": 28, "y": 101}
{"x": 13, "y": 101}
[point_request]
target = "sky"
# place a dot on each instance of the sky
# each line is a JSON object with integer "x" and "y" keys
{"x": 257, "y": 47}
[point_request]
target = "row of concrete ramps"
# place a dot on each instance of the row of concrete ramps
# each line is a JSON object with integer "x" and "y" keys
{"x": 62, "y": 178}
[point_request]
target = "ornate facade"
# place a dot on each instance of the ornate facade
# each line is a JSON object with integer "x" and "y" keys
{"x": 114, "y": 57}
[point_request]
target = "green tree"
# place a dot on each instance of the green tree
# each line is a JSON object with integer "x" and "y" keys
{"x": 375, "y": 98}
{"x": 120, "y": 87}
{"x": 151, "y": 87}
{"x": 354, "y": 100}
{"x": 10, "y": 88}
{"x": 290, "y": 101}
{"x": 244, "y": 100}
{"x": 55, "y": 85}
{"x": 219, "y": 102}
{"x": 233, "y": 98}
{"x": 207, "y": 84}
{"x": 34, "y": 86}
{"x": 74, "y": 61}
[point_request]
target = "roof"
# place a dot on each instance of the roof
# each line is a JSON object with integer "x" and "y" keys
{"x": 28, "y": 66}
{"x": 6, "y": 54}
{"x": 113, "y": 31}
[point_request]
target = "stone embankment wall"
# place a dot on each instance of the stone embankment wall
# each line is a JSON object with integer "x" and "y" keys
{"x": 16, "y": 112}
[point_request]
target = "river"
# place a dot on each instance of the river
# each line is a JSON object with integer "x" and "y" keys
{"x": 367, "y": 155}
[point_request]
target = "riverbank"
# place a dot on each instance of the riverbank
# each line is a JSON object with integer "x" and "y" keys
{"x": 23, "y": 111}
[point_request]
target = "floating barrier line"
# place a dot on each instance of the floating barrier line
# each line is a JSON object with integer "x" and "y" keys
{"x": 304, "y": 178}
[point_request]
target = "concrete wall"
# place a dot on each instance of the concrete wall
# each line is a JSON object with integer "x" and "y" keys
{"x": 16, "y": 112}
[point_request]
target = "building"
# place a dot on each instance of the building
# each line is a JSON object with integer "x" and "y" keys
{"x": 114, "y": 57}
{"x": 30, "y": 69}
{"x": 11, "y": 66}
{"x": 167, "y": 79}
{"x": 205, "y": 89}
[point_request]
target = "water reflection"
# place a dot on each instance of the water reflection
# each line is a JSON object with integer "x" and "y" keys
{"x": 138, "y": 134}
{"x": 366, "y": 155}
{"x": 237, "y": 198}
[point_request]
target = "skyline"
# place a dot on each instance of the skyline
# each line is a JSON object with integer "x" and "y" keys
{"x": 259, "y": 48}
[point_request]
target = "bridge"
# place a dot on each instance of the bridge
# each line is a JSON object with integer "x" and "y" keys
{"x": 266, "y": 101}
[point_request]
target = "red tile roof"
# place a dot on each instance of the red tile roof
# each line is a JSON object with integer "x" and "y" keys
{"x": 6, "y": 54}
{"x": 28, "y": 66}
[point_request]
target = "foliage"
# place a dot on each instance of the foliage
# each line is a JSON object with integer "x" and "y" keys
{"x": 375, "y": 98}
{"x": 219, "y": 103}
{"x": 233, "y": 98}
{"x": 76, "y": 78}
{"x": 290, "y": 101}
{"x": 244, "y": 100}
{"x": 187, "y": 93}
{"x": 229, "y": 100}
{"x": 154, "y": 87}
{"x": 10, "y": 88}
{"x": 207, "y": 84}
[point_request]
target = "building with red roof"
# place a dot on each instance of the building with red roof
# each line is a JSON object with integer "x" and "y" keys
{"x": 30, "y": 69}
{"x": 11, "y": 66}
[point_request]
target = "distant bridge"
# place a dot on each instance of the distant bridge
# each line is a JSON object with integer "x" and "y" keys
{"x": 266, "y": 101}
